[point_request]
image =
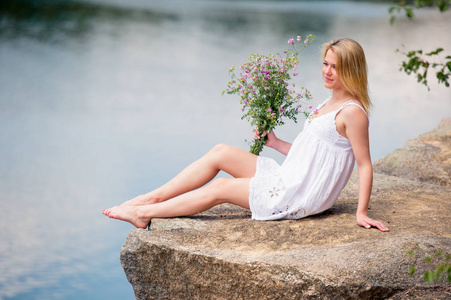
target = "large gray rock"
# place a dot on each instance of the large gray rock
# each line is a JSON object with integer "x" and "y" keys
{"x": 223, "y": 254}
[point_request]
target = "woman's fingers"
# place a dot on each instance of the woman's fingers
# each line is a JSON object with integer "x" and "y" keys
{"x": 257, "y": 134}
{"x": 368, "y": 223}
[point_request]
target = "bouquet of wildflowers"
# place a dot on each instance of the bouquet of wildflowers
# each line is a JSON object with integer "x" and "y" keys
{"x": 266, "y": 94}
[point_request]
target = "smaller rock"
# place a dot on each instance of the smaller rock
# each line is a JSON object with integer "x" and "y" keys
{"x": 427, "y": 158}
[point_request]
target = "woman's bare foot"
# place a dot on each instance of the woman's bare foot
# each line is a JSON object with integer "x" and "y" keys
{"x": 129, "y": 214}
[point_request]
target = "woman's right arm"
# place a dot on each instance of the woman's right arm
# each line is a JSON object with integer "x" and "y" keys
{"x": 274, "y": 142}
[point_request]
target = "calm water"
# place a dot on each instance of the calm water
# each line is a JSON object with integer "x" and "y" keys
{"x": 105, "y": 100}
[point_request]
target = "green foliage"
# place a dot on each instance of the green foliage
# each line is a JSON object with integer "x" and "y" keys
{"x": 416, "y": 62}
{"x": 408, "y": 5}
{"x": 442, "y": 271}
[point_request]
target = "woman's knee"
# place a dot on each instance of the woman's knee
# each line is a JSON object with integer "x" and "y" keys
{"x": 219, "y": 152}
{"x": 217, "y": 188}
{"x": 221, "y": 148}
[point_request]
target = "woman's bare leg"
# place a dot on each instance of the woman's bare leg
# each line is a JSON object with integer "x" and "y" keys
{"x": 221, "y": 190}
{"x": 234, "y": 161}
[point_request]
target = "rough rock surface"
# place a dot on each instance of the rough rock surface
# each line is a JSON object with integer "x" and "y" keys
{"x": 427, "y": 158}
{"x": 223, "y": 254}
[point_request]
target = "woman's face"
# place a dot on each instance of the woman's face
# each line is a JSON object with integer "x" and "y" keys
{"x": 330, "y": 74}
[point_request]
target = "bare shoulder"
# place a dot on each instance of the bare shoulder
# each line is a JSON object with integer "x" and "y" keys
{"x": 353, "y": 115}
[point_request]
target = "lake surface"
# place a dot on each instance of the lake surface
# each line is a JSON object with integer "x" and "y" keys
{"x": 103, "y": 100}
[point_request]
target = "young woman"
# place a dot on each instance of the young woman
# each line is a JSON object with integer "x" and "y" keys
{"x": 318, "y": 164}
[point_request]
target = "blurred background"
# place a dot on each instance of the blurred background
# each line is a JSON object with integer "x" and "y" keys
{"x": 103, "y": 100}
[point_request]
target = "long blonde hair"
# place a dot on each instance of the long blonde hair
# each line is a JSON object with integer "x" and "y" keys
{"x": 352, "y": 68}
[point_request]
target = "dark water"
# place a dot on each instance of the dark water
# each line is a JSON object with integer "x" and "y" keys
{"x": 103, "y": 100}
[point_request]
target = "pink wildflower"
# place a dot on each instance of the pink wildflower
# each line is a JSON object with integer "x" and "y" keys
{"x": 295, "y": 74}
{"x": 291, "y": 41}
{"x": 299, "y": 38}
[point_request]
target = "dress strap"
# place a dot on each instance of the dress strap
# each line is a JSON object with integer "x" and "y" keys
{"x": 350, "y": 102}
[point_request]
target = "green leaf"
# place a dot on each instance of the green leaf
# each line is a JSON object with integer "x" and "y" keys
{"x": 436, "y": 52}
{"x": 419, "y": 78}
{"x": 411, "y": 53}
{"x": 392, "y": 20}
{"x": 412, "y": 270}
{"x": 429, "y": 277}
{"x": 409, "y": 13}
{"x": 428, "y": 259}
{"x": 448, "y": 64}
{"x": 439, "y": 270}
{"x": 447, "y": 268}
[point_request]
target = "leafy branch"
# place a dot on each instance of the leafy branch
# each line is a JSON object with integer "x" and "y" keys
{"x": 418, "y": 65}
{"x": 416, "y": 62}
{"x": 408, "y": 5}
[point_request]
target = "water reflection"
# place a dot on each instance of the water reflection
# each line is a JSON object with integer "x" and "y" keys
{"x": 63, "y": 21}
{"x": 102, "y": 100}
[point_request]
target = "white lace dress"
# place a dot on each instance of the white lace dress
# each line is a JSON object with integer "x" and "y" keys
{"x": 309, "y": 181}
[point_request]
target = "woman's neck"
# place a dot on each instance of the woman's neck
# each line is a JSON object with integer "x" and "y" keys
{"x": 340, "y": 95}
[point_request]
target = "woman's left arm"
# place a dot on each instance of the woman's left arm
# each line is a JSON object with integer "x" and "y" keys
{"x": 355, "y": 123}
